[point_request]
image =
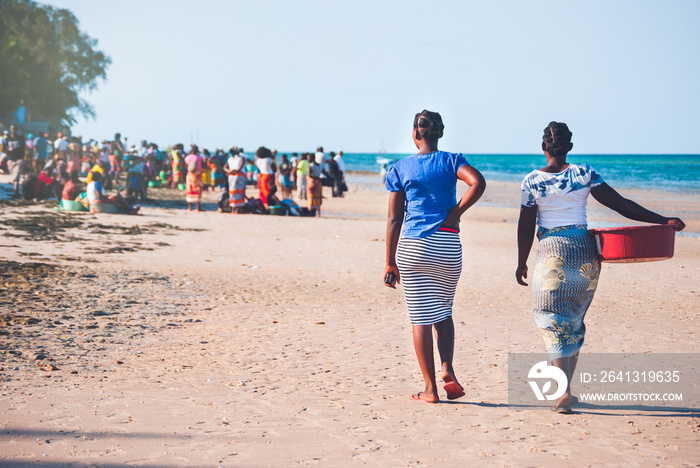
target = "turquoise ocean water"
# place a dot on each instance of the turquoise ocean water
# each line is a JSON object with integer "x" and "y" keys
{"x": 667, "y": 172}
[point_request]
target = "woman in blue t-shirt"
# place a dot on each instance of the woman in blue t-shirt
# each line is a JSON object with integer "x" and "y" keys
{"x": 423, "y": 250}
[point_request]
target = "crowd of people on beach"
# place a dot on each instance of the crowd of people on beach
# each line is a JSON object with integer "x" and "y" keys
{"x": 43, "y": 167}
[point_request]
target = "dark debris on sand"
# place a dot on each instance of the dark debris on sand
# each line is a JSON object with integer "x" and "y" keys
{"x": 174, "y": 228}
{"x": 22, "y": 202}
{"x": 42, "y": 226}
{"x": 53, "y": 226}
{"x": 58, "y": 314}
{"x": 69, "y": 316}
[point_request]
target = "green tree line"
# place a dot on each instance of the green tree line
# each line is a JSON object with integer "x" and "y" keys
{"x": 46, "y": 62}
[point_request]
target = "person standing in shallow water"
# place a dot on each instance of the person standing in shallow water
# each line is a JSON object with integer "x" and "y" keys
{"x": 553, "y": 202}
{"x": 423, "y": 249}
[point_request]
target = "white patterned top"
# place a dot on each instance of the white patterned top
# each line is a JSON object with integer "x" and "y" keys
{"x": 561, "y": 197}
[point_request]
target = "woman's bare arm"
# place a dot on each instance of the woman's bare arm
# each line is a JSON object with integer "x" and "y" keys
{"x": 607, "y": 196}
{"x": 526, "y": 236}
{"x": 397, "y": 206}
{"x": 473, "y": 178}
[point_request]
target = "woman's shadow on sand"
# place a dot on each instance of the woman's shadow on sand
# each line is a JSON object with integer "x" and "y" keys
{"x": 600, "y": 410}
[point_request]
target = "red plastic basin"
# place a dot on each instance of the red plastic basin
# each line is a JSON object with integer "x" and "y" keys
{"x": 635, "y": 243}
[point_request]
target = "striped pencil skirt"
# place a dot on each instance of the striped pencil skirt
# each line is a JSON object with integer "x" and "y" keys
{"x": 430, "y": 269}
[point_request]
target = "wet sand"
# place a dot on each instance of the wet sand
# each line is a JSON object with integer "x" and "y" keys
{"x": 206, "y": 339}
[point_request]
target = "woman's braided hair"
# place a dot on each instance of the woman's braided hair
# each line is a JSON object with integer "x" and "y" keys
{"x": 429, "y": 125}
{"x": 557, "y": 139}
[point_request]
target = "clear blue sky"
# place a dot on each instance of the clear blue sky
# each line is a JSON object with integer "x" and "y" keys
{"x": 350, "y": 75}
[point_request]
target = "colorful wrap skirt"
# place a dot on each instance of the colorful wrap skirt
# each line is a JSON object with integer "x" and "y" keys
{"x": 176, "y": 171}
{"x": 114, "y": 165}
{"x": 430, "y": 269}
{"x": 236, "y": 189}
{"x": 206, "y": 177}
{"x": 314, "y": 188}
{"x": 564, "y": 282}
{"x": 193, "y": 187}
{"x": 265, "y": 182}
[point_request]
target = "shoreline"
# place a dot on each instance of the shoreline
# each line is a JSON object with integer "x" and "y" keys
{"x": 669, "y": 172}
{"x": 620, "y": 187}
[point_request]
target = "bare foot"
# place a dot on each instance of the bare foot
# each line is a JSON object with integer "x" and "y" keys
{"x": 448, "y": 376}
{"x": 452, "y": 387}
{"x": 426, "y": 397}
{"x": 563, "y": 405}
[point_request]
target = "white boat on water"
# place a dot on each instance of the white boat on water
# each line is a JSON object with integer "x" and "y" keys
{"x": 381, "y": 156}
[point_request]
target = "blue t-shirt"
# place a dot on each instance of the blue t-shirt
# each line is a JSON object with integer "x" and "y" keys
{"x": 429, "y": 182}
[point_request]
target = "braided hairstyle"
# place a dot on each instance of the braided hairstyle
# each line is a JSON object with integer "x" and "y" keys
{"x": 557, "y": 139}
{"x": 429, "y": 126}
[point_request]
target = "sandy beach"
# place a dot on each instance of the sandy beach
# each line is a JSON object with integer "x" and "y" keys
{"x": 206, "y": 339}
